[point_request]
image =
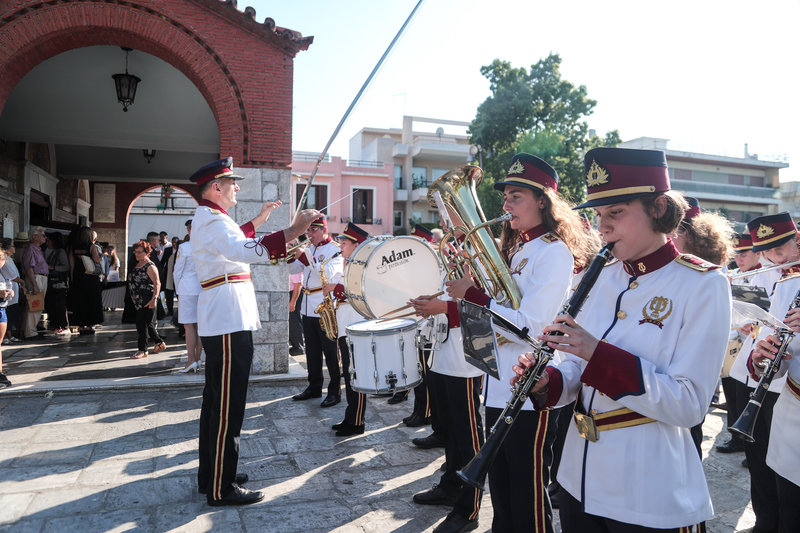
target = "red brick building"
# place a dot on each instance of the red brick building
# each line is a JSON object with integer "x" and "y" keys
{"x": 212, "y": 82}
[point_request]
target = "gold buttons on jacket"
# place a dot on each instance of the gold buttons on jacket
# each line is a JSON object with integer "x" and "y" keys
{"x": 621, "y": 315}
{"x": 633, "y": 284}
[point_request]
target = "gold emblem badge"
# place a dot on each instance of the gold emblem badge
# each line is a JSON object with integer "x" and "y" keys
{"x": 656, "y": 311}
{"x": 736, "y": 241}
{"x": 516, "y": 168}
{"x": 596, "y": 175}
{"x": 642, "y": 267}
{"x": 764, "y": 231}
{"x": 518, "y": 269}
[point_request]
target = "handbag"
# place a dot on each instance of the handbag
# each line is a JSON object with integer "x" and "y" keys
{"x": 91, "y": 268}
{"x": 36, "y": 302}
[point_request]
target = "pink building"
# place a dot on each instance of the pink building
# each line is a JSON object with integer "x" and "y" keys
{"x": 368, "y": 186}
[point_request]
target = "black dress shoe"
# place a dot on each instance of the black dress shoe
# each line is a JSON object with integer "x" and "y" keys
{"x": 398, "y": 397}
{"x": 240, "y": 479}
{"x": 306, "y": 394}
{"x": 426, "y": 443}
{"x": 340, "y": 425}
{"x": 455, "y": 523}
{"x": 238, "y": 496}
{"x": 330, "y": 400}
{"x": 415, "y": 421}
{"x": 350, "y": 429}
{"x": 436, "y": 496}
{"x": 732, "y": 446}
{"x": 296, "y": 351}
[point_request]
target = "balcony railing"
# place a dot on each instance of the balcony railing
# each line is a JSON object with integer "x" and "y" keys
{"x": 364, "y": 164}
{"x": 376, "y": 222}
{"x": 724, "y": 188}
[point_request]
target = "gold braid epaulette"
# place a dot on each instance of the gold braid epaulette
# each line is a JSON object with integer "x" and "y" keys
{"x": 695, "y": 263}
{"x": 550, "y": 237}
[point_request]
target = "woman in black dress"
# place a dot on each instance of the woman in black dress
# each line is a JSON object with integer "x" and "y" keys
{"x": 85, "y": 299}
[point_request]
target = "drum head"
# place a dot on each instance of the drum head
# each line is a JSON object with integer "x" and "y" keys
{"x": 397, "y": 270}
{"x": 379, "y": 326}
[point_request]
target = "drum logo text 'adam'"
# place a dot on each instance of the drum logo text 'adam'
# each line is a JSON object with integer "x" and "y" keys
{"x": 394, "y": 259}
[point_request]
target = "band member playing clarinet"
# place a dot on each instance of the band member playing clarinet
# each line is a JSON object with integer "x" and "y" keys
{"x": 539, "y": 243}
{"x": 783, "y": 455}
{"x": 353, "y": 423}
{"x": 643, "y": 362}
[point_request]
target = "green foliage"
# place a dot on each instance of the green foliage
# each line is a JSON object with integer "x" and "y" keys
{"x": 536, "y": 112}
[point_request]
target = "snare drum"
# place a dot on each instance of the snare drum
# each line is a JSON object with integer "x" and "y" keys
{"x": 384, "y": 355}
{"x": 385, "y": 272}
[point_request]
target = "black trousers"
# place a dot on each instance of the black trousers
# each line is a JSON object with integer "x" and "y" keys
{"x": 169, "y": 296}
{"x": 422, "y": 401}
{"x": 146, "y": 327}
{"x": 733, "y": 389}
{"x": 318, "y": 344}
{"x": 228, "y": 361}
{"x": 763, "y": 480}
{"x": 356, "y": 401}
{"x": 459, "y": 401}
{"x": 788, "y": 498}
{"x": 296, "y": 324}
{"x": 562, "y": 418}
{"x": 55, "y": 303}
{"x": 519, "y": 476}
{"x": 575, "y": 520}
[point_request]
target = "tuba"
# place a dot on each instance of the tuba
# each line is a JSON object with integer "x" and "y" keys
{"x": 327, "y": 309}
{"x": 455, "y": 197}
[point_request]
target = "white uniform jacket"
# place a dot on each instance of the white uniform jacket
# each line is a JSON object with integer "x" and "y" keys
{"x": 345, "y": 314}
{"x": 185, "y": 273}
{"x": 783, "y": 455}
{"x": 448, "y": 359}
{"x": 739, "y": 371}
{"x": 542, "y": 268}
{"x": 328, "y": 256}
{"x": 222, "y": 252}
{"x": 664, "y": 322}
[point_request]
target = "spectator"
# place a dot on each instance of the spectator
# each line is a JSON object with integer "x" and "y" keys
{"x": 35, "y": 269}
{"x": 144, "y": 285}
{"x": 166, "y": 265}
{"x": 10, "y": 273}
{"x": 188, "y": 288}
{"x": 296, "y": 342}
{"x": 55, "y": 301}
{"x": 113, "y": 263}
{"x": 84, "y": 298}
{"x": 6, "y": 293}
{"x": 154, "y": 240}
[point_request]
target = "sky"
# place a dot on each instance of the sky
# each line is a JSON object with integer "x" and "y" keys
{"x": 708, "y": 75}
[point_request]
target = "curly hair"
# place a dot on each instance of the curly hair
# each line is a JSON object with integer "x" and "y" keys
{"x": 559, "y": 218}
{"x": 144, "y": 245}
{"x": 709, "y": 236}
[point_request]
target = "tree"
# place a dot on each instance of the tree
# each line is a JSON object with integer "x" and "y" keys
{"x": 537, "y": 112}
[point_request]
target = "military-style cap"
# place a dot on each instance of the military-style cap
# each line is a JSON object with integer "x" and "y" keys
{"x": 353, "y": 233}
{"x": 531, "y": 172}
{"x": 770, "y": 231}
{"x": 615, "y": 175}
{"x": 218, "y": 169}
{"x": 694, "y": 208}
{"x": 422, "y": 232}
{"x": 320, "y": 222}
{"x": 742, "y": 242}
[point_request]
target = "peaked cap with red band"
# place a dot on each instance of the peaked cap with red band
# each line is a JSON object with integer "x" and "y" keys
{"x": 694, "y": 208}
{"x": 220, "y": 168}
{"x": 742, "y": 242}
{"x": 529, "y": 171}
{"x": 770, "y": 231}
{"x": 615, "y": 175}
{"x": 422, "y": 232}
{"x": 320, "y": 222}
{"x": 353, "y": 233}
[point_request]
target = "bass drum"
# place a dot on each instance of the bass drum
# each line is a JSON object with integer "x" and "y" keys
{"x": 384, "y": 355}
{"x": 385, "y": 272}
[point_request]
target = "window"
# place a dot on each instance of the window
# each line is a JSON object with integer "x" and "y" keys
{"x": 362, "y": 206}
{"x": 398, "y": 219}
{"x": 398, "y": 177}
{"x": 419, "y": 175}
{"x": 736, "y": 179}
{"x": 756, "y": 181}
{"x": 682, "y": 174}
{"x": 438, "y": 173}
{"x": 317, "y": 196}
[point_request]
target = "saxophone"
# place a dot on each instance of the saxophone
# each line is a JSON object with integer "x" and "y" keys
{"x": 327, "y": 309}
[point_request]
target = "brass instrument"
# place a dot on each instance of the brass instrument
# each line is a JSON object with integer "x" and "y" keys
{"x": 455, "y": 197}
{"x": 746, "y": 423}
{"x": 749, "y": 273}
{"x": 474, "y": 472}
{"x": 327, "y": 309}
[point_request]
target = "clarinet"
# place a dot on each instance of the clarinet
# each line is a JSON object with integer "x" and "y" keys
{"x": 474, "y": 472}
{"x": 746, "y": 423}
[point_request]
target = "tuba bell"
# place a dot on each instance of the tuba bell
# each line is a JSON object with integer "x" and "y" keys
{"x": 454, "y": 195}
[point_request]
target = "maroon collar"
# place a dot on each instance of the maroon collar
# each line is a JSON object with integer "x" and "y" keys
{"x": 212, "y": 205}
{"x": 534, "y": 233}
{"x": 652, "y": 262}
{"x": 323, "y": 243}
{"x": 790, "y": 271}
{"x": 758, "y": 265}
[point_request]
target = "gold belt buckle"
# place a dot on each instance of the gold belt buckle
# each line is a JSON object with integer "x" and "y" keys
{"x": 587, "y": 428}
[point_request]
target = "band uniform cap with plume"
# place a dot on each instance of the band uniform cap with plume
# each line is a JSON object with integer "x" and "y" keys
{"x": 661, "y": 317}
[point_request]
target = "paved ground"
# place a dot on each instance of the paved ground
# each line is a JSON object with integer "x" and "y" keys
{"x": 94, "y": 441}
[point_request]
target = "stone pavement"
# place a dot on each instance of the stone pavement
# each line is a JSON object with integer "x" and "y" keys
{"x": 93, "y": 441}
